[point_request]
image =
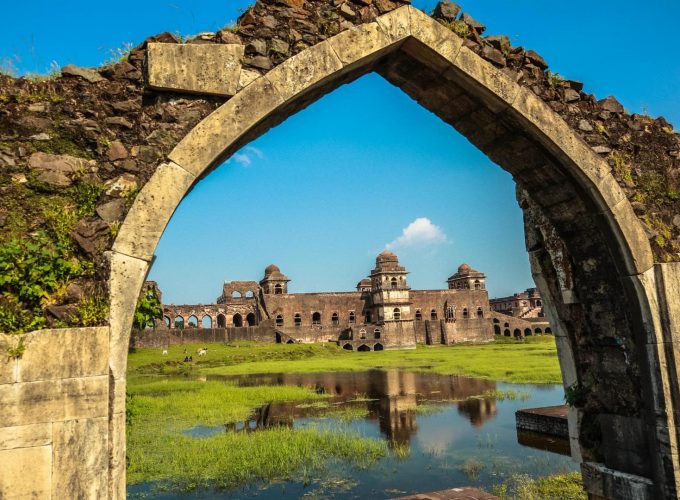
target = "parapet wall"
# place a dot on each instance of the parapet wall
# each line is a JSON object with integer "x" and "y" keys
{"x": 54, "y": 414}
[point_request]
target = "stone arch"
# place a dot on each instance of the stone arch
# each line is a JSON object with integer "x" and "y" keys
{"x": 237, "y": 320}
{"x": 335, "y": 319}
{"x": 517, "y": 333}
{"x": 582, "y": 234}
{"x": 279, "y": 320}
{"x": 363, "y": 348}
{"x": 221, "y": 321}
{"x": 192, "y": 322}
{"x": 378, "y": 347}
{"x": 206, "y": 321}
{"x": 179, "y": 321}
{"x": 250, "y": 319}
{"x": 316, "y": 318}
{"x": 348, "y": 347}
{"x": 496, "y": 329}
{"x": 527, "y": 332}
{"x": 167, "y": 321}
{"x": 236, "y": 294}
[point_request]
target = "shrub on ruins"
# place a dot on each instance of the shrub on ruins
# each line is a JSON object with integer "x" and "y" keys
{"x": 33, "y": 273}
{"x": 148, "y": 310}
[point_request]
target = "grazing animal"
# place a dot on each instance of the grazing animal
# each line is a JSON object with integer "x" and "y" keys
{"x": 186, "y": 359}
{"x": 202, "y": 352}
{"x": 165, "y": 352}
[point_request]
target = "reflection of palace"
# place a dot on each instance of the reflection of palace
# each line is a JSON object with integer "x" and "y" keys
{"x": 382, "y": 313}
{"x": 389, "y": 396}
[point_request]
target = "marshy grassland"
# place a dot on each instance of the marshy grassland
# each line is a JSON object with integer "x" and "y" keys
{"x": 533, "y": 361}
{"x": 168, "y": 398}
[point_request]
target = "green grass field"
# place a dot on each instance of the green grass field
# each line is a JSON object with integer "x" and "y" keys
{"x": 166, "y": 397}
{"x": 533, "y": 361}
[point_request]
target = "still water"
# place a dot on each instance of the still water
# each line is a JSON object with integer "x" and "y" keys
{"x": 452, "y": 435}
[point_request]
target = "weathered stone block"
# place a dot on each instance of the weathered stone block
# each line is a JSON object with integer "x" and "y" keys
{"x": 25, "y": 436}
{"x": 361, "y": 44}
{"x": 8, "y": 366}
{"x": 52, "y": 401}
{"x": 151, "y": 211}
{"x": 632, "y": 241}
{"x": 80, "y": 458}
{"x": 206, "y": 144}
{"x": 483, "y": 80}
{"x": 125, "y": 283}
{"x": 397, "y": 23}
{"x": 64, "y": 353}
{"x": 435, "y": 36}
{"x": 26, "y": 473}
{"x": 302, "y": 72}
{"x": 117, "y": 457}
{"x": 197, "y": 68}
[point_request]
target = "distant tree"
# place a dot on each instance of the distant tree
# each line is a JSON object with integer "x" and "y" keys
{"x": 148, "y": 310}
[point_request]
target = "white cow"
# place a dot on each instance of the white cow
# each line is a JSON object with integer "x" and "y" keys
{"x": 202, "y": 352}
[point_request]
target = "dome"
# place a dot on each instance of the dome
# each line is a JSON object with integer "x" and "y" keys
{"x": 464, "y": 268}
{"x": 386, "y": 255}
{"x": 270, "y": 269}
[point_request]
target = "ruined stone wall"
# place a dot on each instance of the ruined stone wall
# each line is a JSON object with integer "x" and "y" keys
{"x": 54, "y": 421}
{"x": 307, "y": 304}
{"x": 426, "y": 300}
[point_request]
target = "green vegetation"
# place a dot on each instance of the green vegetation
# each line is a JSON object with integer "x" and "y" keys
{"x": 558, "y": 487}
{"x": 149, "y": 308}
{"x": 533, "y": 361}
{"x": 119, "y": 54}
{"x": 621, "y": 166}
{"x": 33, "y": 273}
{"x": 555, "y": 79}
{"x": 458, "y": 27}
{"x": 500, "y": 395}
{"x": 159, "y": 410}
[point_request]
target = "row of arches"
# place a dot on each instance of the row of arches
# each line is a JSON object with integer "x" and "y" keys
{"x": 364, "y": 347}
{"x": 465, "y": 285}
{"x": 450, "y": 314}
{"x": 238, "y": 320}
{"x": 238, "y": 295}
{"x": 316, "y": 319}
{"x": 518, "y": 332}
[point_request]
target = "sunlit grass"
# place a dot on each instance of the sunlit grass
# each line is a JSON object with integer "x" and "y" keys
{"x": 534, "y": 361}
{"x": 232, "y": 459}
{"x": 560, "y": 486}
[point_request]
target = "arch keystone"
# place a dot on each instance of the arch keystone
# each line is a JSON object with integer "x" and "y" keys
{"x": 432, "y": 34}
{"x": 397, "y": 23}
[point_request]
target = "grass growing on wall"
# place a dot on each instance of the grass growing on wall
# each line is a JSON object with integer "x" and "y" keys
{"x": 533, "y": 361}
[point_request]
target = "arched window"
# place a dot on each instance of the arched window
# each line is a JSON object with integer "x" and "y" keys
{"x": 450, "y": 314}
{"x": 396, "y": 314}
{"x": 497, "y": 329}
{"x": 179, "y": 322}
{"x": 250, "y": 294}
{"x": 335, "y": 319}
{"x": 548, "y": 330}
{"x": 250, "y": 319}
{"x": 480, "y": 312}
{"x": 466, "y": 315}
{"x": 221, "y": 321}
{"x": 235, "y": 294}
{"x": 192, "y": 322}
{"x": 419, "y": 315}
{"x": 352, "y": 317}
{"x": 316, "y": 318}
{"x": 478, "y": 285}
{"x": 279, "y": 320}
{"x": 362, "y": 333}
{"x": 297, "y": 319}
{"x": 466, "y": 285}
{"x": 517, "y": 333}
{"x": 376, "y": 333}
{"x": 527, "y": 332}
{"x": 237, "y": 320}
{"x": 394, "y": 283}
{"x": 433, "y": 315}
{"x": 166, "y": 321}
{"x": 278, "y": 289}
{"x": 206, "y": 322}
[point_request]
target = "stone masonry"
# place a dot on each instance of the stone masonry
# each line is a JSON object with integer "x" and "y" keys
{"x": 598, "y": 187}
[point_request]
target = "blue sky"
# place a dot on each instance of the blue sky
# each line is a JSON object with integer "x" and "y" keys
{"x": 364, "y": 167}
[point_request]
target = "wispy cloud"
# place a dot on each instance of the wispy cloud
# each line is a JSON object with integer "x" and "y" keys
{"x": 246, "y": 156}
{"x": 419, "y": 233}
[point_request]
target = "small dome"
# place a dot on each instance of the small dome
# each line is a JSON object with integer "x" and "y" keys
{"x": 464, "y": 268}
{"x": 386, "y": 255}
{"x": 270, "y": 269}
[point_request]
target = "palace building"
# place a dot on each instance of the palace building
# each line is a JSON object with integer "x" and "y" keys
{"x": 383, "y": 313}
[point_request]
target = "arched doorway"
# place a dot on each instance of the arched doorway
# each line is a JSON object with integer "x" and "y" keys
{"x": 237, "y": 320}
{"x": 250, "y": 319}
{"x": 591, "y": 222}
{"x": 221, "y": 321}
{"x": 363, "y": 348}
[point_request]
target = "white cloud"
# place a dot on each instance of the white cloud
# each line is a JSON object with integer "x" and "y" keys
{"x": 246, "y": 156}
{"x": 419, "y": 233}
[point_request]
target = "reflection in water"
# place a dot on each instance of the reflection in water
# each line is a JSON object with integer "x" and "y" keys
{"x": 391, "y": 397}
